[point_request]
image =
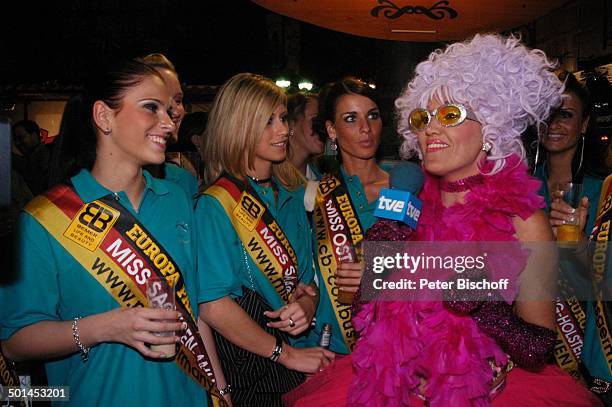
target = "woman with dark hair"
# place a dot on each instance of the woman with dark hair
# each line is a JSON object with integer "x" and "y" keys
{"x": 186, "y": 152}
{"x": 567, "y": 139}
{"x": 350, "y": 118}
{"x": 88, "y": 247}
{"x": 304, "y": 141}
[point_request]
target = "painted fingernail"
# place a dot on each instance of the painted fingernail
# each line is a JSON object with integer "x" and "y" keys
{"x": 184, "y": 325}
{"x": 573, "y": 210}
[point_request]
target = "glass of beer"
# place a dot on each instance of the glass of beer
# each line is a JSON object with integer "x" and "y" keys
{"x": 571, "y": 193}
{"x": 160, "y": 294}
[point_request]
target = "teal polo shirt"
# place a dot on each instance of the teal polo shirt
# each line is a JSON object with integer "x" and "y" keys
{"x": 222, "y": 267}
{"x": 592, "y": 355}
{"x": 53, "y": 287}
{"x": 182, "y": 178}
{"x": 591, "y": 189}
{"x": 365, "y": 213}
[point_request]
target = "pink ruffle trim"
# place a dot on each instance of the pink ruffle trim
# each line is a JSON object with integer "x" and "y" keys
{"x": 402, "y": 342}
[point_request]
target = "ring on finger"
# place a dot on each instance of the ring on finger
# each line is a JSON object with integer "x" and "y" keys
{"x": 291, "y": 323}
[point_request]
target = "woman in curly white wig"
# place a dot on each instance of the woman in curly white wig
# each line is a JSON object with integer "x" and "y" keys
{"x": 506, "y": 85}
{"x": 463, "y": 114}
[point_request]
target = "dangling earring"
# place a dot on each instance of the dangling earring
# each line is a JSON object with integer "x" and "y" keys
{"x": 291, "y": 133}
{"x": 486, "y": 146}
{"x": 331, "y": 147}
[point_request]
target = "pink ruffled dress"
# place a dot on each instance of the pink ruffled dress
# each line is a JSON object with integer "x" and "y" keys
{"x": 408, "y": 350}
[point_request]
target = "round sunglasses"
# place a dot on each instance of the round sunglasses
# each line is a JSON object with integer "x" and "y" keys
{"x": 448, "y": 115}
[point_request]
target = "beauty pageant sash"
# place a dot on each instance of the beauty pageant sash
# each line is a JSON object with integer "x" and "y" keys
{"x": 338, "y": 234}
{"x": 260, "y": 234}
{"x": 602, "y": 276}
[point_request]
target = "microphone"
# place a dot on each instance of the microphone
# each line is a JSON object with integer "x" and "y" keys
{"x": 399, "y": 202}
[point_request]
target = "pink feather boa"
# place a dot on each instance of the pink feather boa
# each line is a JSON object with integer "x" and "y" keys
{"x": 402, "y": 342}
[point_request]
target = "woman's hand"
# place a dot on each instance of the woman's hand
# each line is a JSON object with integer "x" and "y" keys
{"x": 305, "y": 360}
{"x": 295, "y": 317}
{"x": 134, "y": 327}
{"x": 348, "y": 276}
{"x": 129, "y": 326}
{"x": 561, "y": 212}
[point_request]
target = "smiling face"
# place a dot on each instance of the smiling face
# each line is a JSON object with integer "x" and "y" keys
{"x": 141, "y": 126}
{"x": 452, "y": 153}
{"x": 357, "y": 127}
{"x": 566, "y": 125}
{"x": 304, "y": 136}
{"x": 272, "y": 145}
{"x": 176, "y": 92}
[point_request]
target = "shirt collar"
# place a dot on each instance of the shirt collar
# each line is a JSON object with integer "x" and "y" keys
{"x": 89, "y": 189}
{"x": 284, "y": 195}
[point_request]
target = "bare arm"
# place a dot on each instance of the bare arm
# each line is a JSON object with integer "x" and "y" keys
{"x": 226, "y": 317}
{"x": 130, "y": 326}
{"x": 211, "y": 350}
{"x": 535, "y": 302}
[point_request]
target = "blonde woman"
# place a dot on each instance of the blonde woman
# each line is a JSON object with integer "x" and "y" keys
{"x": 252, "y": 249}
{"x": 176, "y": 169}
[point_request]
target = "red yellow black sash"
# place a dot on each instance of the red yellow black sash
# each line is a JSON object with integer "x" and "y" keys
{"x": 338, "y": 233}
{"x": 260, "y": 234}
{"x": 571, "y": 319}
{"x": 602, "y": 272}
{"x": 9, "y": 378}
{"x": 120, "y": 253}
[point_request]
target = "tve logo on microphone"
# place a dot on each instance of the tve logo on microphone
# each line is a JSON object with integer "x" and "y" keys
{"x": 399, "y": 205}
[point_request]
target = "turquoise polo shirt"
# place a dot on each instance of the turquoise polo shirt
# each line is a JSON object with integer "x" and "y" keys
{"x": 592, "y": 355}
{"x": 53, "y": 287}
{"x": 222, "y": 267}
{"x": 591, "y": 189}
{"x": 182, "y": 178}
{"x": 365, "y": 213}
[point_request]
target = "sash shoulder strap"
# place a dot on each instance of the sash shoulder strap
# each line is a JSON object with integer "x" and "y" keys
{"x": 261, "y": 235}
{"x": 117, "y": 250}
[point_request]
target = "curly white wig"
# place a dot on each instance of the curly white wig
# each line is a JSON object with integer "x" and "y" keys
{"x": 507, "y": 85}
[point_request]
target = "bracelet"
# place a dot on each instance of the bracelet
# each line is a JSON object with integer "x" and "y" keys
{"x": 226, "y": 390}
{"x": 278, "y": 349}
{"x": 75, "y": 334}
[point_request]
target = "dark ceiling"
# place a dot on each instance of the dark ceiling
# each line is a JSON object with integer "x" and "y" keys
{"x": 208, "y": 40}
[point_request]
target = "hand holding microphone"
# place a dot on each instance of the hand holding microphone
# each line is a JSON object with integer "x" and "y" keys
{"x": 398, "y": 210}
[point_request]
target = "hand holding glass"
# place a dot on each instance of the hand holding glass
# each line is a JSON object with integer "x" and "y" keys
{"x": 571, "y": 194}
{"x": 160, "y": 294}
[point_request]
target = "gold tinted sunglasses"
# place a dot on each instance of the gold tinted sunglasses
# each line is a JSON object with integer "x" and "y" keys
{"x": 448, "y": 115}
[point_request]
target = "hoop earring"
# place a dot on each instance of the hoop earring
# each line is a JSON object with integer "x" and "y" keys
{"x": 581, "y": 156}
